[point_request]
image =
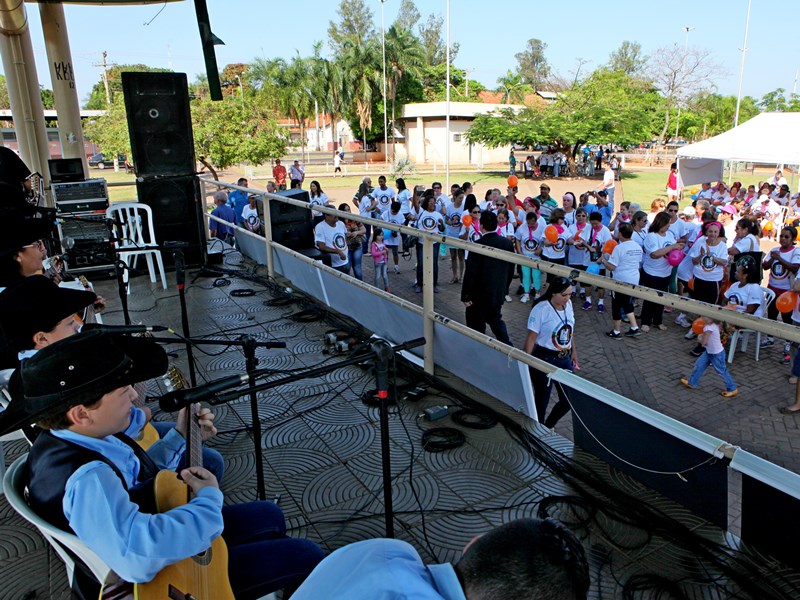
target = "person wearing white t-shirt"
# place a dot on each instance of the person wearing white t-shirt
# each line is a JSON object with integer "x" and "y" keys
{"x": 430, "y": 220}
{"x": 709, "y": 256}
{"x": 783, "y": 263}
{"x": 608, "y": 182}
{"x": 316, "y": 197}
{"x": 329, "y": 236}
{"x": 441, "y": 199}
{"x": 384, "y": 195}
{"x": 592, "y": 239}
{"x": 392, "y": 238}
{"x": 454, "y": 212}
{"x": 250, "y": 216}
{"x": 656, "y": 270}
{"x": 624, "y": 266}
{"x": 555, "y": 252}
{"x": 745, "y": 294}
{"x": 528, "y": 242}
{"x": 403, "y": 195}
{"x": 551, "y": 338}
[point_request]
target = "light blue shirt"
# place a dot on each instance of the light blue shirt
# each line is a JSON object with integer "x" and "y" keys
{"x": 238, "y": 200}
{"x": 607, "y": 213}
{"x": 380, "y": 569}
{"x": 134, "y": 544}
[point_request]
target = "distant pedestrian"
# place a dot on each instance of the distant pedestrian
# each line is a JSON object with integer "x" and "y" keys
{"x": 337, "y": 164}
{"x": 297, "y": 173}
{"x": 279, "y": 174}
{"x": 512, "y": 163}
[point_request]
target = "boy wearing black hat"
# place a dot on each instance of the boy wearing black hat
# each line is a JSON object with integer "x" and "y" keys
{"x": 86, "y": 476}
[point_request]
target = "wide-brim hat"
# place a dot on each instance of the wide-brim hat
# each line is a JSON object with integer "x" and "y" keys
{"x": 19, "y": 231}
{"x": 37, "y": 304}
{"x": 79, "y": 370}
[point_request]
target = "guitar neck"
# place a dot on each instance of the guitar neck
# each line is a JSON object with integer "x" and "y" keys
{"x": 194, "y": 442}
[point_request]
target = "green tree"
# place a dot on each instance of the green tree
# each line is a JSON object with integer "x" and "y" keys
{"x": 355, "y": 24}
{"x": 532, "y": 66}
{"x": 110, "y": 131}
{"x": 232, "y": 131}
{"x": 233, "y": 78}
{"x": 432, "y": 80}
{"x": 362, "y": 67}
{"x": 5, "y": 102}
{"x": 606, "y": 106}
{"x": 513, "y": 88}
{"x": 708, "y": 114}
{"x": 48, "y": 99}
{"x": 294, "y": 83}
{"x": 408, "y": 16}
{"x": 628, "y": 58}
{"x": 433, "y": 42}
{"x": 776, "y": 101}
{"x": 404, "y": 58}
{"x": 97, "y": 97}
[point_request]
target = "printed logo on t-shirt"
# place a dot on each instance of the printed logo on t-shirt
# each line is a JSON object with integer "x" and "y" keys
{"x": 384, "y": 200}
{"x": 253, "y": 223}
{"x": 735, "y": 299}
{"x": 474, "y": 235}
{"x": 778, "y": 270}
{"x": 531, "y": 245}
{"x": 707, "y": 263}
{"x": 428, "y": 223}
{"x": 339, "y": 241}
{"x": 595, "y": 252}
{"x": 560, "y": 244}
{"x": 454, "y": 220}
{"x": 562, "y": 337}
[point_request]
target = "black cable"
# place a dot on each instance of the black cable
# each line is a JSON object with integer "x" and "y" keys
{"x": 439, "y": 439}
{"x": 473, "y": 419}
{"x": 242, "y": 293}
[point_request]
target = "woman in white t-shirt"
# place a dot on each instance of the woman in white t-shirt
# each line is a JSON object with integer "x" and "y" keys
{"x": 568, "y": 203}
{"x": 528, "y": 242}
{"x": 745, "y": 294}
{"x": 551, "y": 328}
{"x": 783, "y": 263}
{"x": 709, "y": 257}
{"x": 316, "y": 197}
{"x": 403, "y": 195}
{"x": 430, "y": 220}
{"x": 745, "y": 238}
{"x": 555, "y": 252}
{"x": 454, "y": 212}
{"x": 656, "y": 270}
{"x": 624, "y": 266}
{"x": 577, "y": 257}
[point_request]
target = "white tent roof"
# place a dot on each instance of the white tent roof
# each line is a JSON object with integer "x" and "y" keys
{"x": 771, "y": 138}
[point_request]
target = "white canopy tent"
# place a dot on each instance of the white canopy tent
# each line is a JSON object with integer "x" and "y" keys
{"x": 770, "y": 138}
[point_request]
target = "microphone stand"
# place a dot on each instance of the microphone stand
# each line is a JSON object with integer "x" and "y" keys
{"x": 180, "y": 280}
{"x": 382, "y": 351}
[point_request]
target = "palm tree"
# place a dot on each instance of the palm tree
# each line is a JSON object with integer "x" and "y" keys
{"x": 292, "y": 83}
{"x": 404, "y": 54}
{"x": 513, "y": 88}
{"x": 362, "y": 69}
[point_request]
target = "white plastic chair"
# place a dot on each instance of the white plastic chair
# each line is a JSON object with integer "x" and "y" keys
{"x": 744, "y": 334}
{"x": 63, "y": 542}
{"x": 133, "y": 221}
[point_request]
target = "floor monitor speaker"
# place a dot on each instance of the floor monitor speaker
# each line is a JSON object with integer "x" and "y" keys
{"x": 159, "y": 123}
{"x": 177, "y": 214}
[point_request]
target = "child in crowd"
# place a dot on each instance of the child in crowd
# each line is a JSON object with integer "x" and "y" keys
{"x": 380, "y": 254}
{"x": 713, "y": 354}
{"x": 529, "y": 243}
{"x": 396, "y": 216}
{"x": 578, "y": 258}
{"x": 592, "y": 239}
{"x": 623, "y": 216}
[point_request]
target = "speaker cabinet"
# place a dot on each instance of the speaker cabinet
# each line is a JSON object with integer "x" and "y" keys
{"x": 177, "y": 214}
{"x": 291, "y": 225}
{"x": 159, "y": 123}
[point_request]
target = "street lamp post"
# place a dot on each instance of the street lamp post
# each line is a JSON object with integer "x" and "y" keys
{"x": 741, "y": 66}
{"x": 685, "y": 50}
{"x": 385, "y": 120}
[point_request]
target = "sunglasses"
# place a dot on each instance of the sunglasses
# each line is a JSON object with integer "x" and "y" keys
{"x": 564, "y": 281}
{"x": 674, "y": 210}
{"x": 475, "y": 212}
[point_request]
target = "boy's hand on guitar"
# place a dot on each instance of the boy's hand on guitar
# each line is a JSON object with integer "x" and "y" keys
{"x": 205, "y": 418}
{"x": 197, "y": 478}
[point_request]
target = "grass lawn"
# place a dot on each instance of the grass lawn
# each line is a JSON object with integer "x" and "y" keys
{"x": 117, "y": 194}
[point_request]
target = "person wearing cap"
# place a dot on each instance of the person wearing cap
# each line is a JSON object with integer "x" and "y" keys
{"x": 546, "y": 202}
{"x": 84, "y": 475}
{"x": 22, "y": 250}
{"x": 727, "y": 216}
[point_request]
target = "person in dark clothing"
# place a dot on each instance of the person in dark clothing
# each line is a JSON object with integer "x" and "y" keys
{"x": 486, "y": 280}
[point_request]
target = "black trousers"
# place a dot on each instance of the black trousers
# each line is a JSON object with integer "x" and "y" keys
{"x": 478, "y": 316}
{"x": 652, "y": 313}
{"x": 542, "y": 387}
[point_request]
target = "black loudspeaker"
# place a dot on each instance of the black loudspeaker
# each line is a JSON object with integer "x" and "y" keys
{"x": 291, "y": 225}
{"x": 177, "y": 214}
{"x": 159, "y": 123}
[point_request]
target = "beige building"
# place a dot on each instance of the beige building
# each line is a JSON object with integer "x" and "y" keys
{"x": 426, "y": 134}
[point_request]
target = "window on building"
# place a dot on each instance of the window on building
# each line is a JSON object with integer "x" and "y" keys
{"x": 456, "y": 137}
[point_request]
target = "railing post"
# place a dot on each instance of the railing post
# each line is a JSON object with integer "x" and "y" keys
{"x": 427, "y": 301}
{"x": 268, "y": 236}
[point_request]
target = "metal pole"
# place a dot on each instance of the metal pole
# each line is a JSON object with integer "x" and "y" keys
{"x": 447, "y": 101}
{"x": 385, "y": 116}
{"x": 268, "y": 236}
{"x": 428, "y": 313}
{"x": 741, "y": 66}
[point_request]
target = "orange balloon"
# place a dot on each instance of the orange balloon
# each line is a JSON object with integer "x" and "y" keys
{"x": 513, "y": 180}
{"x": 466, "y": 220}
{"x": 768, "y": 226}
{"x": 551, "y": 233}
{"x": 786, "y": 302}
{"x": 609, "y": 246}
{"x": 690, "y": 284}
{"x": 698, "y": 324}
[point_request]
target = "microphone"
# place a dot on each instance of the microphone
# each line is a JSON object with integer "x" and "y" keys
{"x": 176, "y": 400}
{"x": 383, "y": 352}
{"x": 123, "y": 328}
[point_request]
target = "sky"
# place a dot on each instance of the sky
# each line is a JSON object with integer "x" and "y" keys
{"x": 166, "y": 35}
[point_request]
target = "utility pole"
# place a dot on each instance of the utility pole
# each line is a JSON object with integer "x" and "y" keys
{"x": 105, "y": 65}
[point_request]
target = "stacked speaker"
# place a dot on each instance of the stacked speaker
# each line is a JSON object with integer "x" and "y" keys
{"x": 160, "y": 127}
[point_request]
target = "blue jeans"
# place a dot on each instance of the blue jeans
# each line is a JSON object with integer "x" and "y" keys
{"x": 261, "y": 559}
{"x": 718, "y": 362}
{"x": 435, "y": 265}
{"x": 354, "y": 258}
{"x": 610, "y": 192}
{"x": 556, "y": 169}
{"x": 212, "y": 460}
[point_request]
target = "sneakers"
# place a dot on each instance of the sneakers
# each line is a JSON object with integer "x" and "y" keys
{"x": 730, "y": 394}
{"x": 587, "y": 305}
{"x": 525, "y": 298}
{"x": 582, "y": 294}
{"x": 614, "y": 335}
{"x": 767, "y": 342}
{"x": 509, "y": 298}
{"x": 787, "y": 358}
{"x": 632, "y": 333}
{"x": 601, "y": 308}
{"x": 682, "y": 321}
{"x": 417, "y": 290}
{"x": 436, "y": 289}
{"x": 690, "y": 335}
{"x": 397, "y": 268}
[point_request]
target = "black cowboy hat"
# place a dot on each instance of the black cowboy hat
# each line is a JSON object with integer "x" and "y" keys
{"x": 37, "y": 304}
{"x": 19, "y": 231}
{"x": 79, "y": 370}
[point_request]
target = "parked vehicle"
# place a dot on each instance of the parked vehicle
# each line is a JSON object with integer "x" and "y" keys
{"x": 100, "y": 161}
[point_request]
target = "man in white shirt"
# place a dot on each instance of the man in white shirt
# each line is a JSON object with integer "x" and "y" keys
{"x": 384, "y": 195}
{"x": 330, "y": 236}
{"x": 624, "y": 266}
{"x": 608, "y": 182}
{"x": 297, "y": 174}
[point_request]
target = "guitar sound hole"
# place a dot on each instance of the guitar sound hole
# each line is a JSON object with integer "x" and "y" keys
{"x": 204, "y": 558}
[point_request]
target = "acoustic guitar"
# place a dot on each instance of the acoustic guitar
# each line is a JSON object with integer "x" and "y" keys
{"x": 203, "y": 576}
